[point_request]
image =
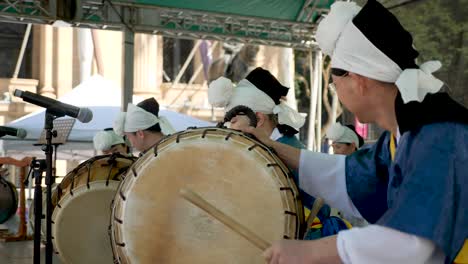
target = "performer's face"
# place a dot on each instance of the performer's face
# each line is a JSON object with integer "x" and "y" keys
{"x": 136, "y": 139}
{"x": 239, "y": 122}
{"x": 343, "y": 148}
{"x": 351, "y": 89}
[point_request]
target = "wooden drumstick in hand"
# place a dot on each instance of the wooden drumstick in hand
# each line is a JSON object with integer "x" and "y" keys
{"x": 318, "y": 204}
{"x": 201, "y": 203}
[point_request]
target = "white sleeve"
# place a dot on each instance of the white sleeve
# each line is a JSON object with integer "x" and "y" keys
{"x": 379, "y": 244}
{"x": 324, "y": 175}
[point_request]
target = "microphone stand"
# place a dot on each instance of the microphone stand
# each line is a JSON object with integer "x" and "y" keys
{"x": 38, "y": 167}
{"x": 50, "y": 116}
{"x": 48, "y": 149}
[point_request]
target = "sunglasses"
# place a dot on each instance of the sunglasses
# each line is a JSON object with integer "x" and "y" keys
{"x": 339, "y": 73}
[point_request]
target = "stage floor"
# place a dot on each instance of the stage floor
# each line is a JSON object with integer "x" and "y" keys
{"x": 21, "y": 253}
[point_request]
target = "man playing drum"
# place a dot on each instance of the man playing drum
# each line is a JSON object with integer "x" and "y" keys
{"x": 142, "y": 125}
{"x": 258, "y": 101}
{"x": 411, "y": 185}
{"x": 263, "y": 93}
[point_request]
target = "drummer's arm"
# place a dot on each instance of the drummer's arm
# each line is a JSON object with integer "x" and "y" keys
{"x": 289, "y": 155}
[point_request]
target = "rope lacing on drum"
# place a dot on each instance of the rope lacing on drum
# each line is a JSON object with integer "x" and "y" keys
{"x": 122, "y": 195}
{"x": 59, "y": 191}
{"x": 112, "y": 163}
{"x": 155, "y": 150}
{"x": 229, "y": 135}
{"x": 89, "y": 175}
{"x": 206, "y": 131}
{"x": 72, "y": 185}
{"x": 118, "y": 220}
{"x": 178, "y": 137}
{"x": 273, "y": 165}
{"x": 120, "y": 244}
{"x": 290, "y": 213}
{"x": 253, "y": 146}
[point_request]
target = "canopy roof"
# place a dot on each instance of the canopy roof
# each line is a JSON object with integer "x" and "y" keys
{"x": 103, "y": 98}
{"x": 289, "y": 23}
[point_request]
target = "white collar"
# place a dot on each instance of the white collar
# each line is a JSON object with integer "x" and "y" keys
{"x": 275, "y": 135}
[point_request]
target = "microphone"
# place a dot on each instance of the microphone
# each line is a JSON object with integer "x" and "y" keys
{"x": 16, "y": 132}
{"x": 56, "y": 107}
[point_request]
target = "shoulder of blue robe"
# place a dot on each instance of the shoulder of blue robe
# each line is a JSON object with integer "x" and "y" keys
{"x": 292, "y": 141}
{"x": 367, "y": 174}
{"x": 427, "y": 190}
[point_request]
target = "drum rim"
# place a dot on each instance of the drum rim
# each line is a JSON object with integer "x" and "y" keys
{"x": 66, "y": 199}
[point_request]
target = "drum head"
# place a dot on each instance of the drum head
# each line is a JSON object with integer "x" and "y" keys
{"x": 153, "y": 224}
{"x": 80, "y": 228}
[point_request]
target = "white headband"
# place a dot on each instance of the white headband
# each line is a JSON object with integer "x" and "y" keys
{"x": 221, "y": 93}
{"x": 104, "y": 140}
{"x": 136, "y": 118}
{"x": 350, "y": 50}
{"x": 342, "y": 134}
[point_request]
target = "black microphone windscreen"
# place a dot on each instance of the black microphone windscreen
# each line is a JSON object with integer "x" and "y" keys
{"x": 85, "y": 115}
{"x": 21, "y": 133}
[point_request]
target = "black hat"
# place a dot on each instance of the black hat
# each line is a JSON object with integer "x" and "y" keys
{"x": 386, "y": 33}
{"x": 267, "y": 83}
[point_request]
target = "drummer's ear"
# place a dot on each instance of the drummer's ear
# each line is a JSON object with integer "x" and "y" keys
{"x": 261, "y": 118}
{"x": 140, "y": 134}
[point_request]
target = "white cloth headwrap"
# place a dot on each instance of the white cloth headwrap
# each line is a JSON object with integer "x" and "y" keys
{"x": 136, "y": 118}
{"x": 222, "y": 93}
{"x": 350, "y": 50}
{"x": 342, "y": 134}
{"x": 104, "y": 140}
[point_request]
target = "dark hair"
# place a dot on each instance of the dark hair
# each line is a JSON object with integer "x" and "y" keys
{"x": 152, "y": 106}
{"x": 283, "y": 129}
{"x": 241, "y": 110}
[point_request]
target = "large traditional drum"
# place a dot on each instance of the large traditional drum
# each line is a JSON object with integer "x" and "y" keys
{"x": 151, "y": 223}
{"x": 82, "y": 210}
{"x": 8, "y": 200}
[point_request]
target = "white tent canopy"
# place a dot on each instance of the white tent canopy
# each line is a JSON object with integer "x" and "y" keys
{"x": 103, "y": 98}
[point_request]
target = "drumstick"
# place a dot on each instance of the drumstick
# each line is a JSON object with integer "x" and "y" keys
{"x": 318, "y": 203}
{"x": 201, "y": 203}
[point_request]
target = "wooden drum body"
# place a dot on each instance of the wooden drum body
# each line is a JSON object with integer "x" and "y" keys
{"x": 81, "y": 217}
{"x": 151, "y": 223}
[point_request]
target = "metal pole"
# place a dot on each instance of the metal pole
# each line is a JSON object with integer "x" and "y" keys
{"x": 48, "y": 181}
{"x": 313, "y": 99}
{"x": 127, "y": 91}
{"x": 23, "y": 48}
{"x": 319, "y": 100}
{"x": 187, "y": 62}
